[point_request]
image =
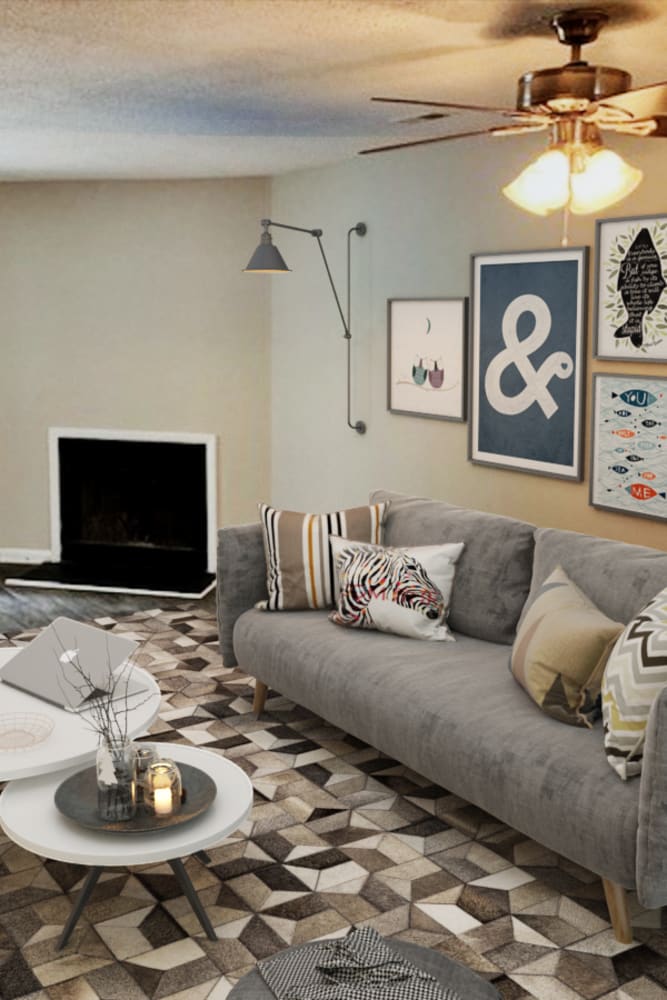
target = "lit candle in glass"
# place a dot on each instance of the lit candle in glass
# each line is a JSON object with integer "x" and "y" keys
{"x": 162, "y": 790}
{"x": 162, "y": 801}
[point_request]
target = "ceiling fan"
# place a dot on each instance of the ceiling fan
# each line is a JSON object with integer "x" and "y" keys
{"x": 576, "y": 102}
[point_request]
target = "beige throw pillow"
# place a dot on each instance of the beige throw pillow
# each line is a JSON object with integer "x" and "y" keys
{"x": 561, "y": 649}
{"x": 299, "y": 564}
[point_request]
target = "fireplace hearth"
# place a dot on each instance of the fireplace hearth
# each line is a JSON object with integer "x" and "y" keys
{"x": 130, "y": 512}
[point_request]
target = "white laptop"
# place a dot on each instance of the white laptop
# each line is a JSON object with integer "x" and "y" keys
{"x": 51, "y": 667}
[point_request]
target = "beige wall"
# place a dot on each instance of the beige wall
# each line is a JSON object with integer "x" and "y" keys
{"x": 427, "y": 211}
{"x": 123, "y": 306}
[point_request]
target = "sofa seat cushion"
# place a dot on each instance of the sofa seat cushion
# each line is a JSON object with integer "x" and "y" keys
{"x": 453, "y": 712}
{"x": 494, "y": 571}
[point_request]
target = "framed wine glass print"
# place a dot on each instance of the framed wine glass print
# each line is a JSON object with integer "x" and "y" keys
{"x": 426, "y": 369}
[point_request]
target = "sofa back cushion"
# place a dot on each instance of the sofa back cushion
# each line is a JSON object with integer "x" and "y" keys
{"x": 494, "y": 571}
{"x": 620, "y": 579}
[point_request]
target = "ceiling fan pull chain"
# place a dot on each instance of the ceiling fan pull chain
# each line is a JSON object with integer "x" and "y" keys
{"x": 566, "y": 222}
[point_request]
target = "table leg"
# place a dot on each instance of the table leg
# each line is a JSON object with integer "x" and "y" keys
{"x": 84, "y": 896}
{"x": 179, "y": 871}
{"x": 203, "y": 857}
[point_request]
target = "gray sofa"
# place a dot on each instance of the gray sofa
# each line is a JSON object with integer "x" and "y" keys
{"x": 452, "y": 711}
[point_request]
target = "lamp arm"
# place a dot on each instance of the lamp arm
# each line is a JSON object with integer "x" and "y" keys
{"x": 346, "y": 327}
{"x": 360, "y": 229}
{"x": 283, "y": 225}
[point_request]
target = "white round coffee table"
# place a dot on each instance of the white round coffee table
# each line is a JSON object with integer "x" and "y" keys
{"x": 71, "y": 741}
{"x": 30, "y": 818}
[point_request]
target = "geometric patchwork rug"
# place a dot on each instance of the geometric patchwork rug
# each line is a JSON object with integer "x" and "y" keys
{"x": 340, "y": 835}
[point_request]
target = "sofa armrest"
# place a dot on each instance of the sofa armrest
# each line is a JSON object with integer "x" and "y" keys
{"x": 652, "y": 829}
{"x": 241, "y": 580}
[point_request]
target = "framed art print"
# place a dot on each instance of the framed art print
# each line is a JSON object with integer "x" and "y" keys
{"x": 631, "y": 301}
{"x": 426, "y": 357}
{"x": 629, "y": 450}
{"x": 527, "y": 362}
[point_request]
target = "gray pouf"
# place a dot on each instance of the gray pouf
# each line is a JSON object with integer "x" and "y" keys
{"x": 468, "y": 984}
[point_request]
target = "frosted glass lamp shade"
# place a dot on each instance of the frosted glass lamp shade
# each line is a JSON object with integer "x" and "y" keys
{"x": 542, "y": 187}
{"x": 606, "y": 179}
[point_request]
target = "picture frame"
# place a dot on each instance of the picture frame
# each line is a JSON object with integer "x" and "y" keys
{"x": 631, "y": 288}
{"x": 427, "y": 357}
{"x": 629, "y": 445}
{"x": 527, "y": 362}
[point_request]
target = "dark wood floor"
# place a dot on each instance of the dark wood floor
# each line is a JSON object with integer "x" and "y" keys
{"x": 24, "y": 608}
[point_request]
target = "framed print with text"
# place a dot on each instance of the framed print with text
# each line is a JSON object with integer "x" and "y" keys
{"x": 629, "y": 439}
{"x": 528, "y": 360}
{"x": 631, "y": 301}
{"x": 426, "y": 357}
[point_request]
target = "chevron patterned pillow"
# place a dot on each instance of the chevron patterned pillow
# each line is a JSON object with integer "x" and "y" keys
{"x": 636, "y": 672}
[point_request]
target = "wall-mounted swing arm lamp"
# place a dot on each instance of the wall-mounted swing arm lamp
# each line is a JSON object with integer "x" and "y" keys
{"x": 267, "y": 259}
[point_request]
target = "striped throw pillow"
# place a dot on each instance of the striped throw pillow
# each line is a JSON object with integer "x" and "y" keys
{"x": 635, "y": 675}
{"x": 299, "y": 563}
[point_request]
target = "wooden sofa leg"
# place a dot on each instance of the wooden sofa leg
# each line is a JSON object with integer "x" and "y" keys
{"x": 619, "y": 914}
{"x": 260, "y": 697}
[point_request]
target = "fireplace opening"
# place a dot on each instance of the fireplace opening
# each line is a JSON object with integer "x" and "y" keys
{"x": 130, "y": 514}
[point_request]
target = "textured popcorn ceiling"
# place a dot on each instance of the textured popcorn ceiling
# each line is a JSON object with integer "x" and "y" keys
{"x": 216, "y": 88}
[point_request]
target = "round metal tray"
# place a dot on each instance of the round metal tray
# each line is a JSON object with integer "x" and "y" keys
{"x": 76, "y": 798}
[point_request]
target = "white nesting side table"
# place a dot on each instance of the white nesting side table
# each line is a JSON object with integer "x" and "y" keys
{"x": 30, "y": 818}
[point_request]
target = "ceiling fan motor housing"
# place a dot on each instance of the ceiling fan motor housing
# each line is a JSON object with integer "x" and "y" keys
{"x": 579, "y": 81}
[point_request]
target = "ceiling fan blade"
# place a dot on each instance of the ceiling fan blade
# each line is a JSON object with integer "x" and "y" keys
{"x": 645, "y": 102}
{"x": 503, "y": 130}
{"x": 446, "y": 104}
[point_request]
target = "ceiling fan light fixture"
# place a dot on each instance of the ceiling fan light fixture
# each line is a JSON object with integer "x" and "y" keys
{"x": 543, "y": 186}
{"x": 605, "y": 180}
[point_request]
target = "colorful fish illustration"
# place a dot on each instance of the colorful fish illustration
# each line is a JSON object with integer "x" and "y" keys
{"x": 635, "y": 397}
{"x": 651, "y": 423}
{"x": 619, "y": 451}
{"x": 634, "y": 458}
{"x": 641, "y": 283}
{"x": 640, "y": 491}
{"x": 621, "y": 469}
{"x": 647, "y": 475}
{"x": 624, "y": 433}
{"x": 645, "y": 445}
{"x": 622, "y": 413}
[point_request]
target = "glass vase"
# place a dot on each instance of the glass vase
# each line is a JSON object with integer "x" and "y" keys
{"x": 116, "y": 780}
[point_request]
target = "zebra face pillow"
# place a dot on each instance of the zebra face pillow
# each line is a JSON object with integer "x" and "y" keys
{"x": 395, "y": 590}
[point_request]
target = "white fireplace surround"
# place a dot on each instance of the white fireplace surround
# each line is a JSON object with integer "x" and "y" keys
{"x": 56, "y": 434}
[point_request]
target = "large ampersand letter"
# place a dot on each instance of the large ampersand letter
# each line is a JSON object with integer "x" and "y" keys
{"x": 517, "y": 352}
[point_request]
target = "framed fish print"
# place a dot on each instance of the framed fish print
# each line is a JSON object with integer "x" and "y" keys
{"x": 631, "y": 301}
{"x": 527, "y": 361}
{"x": 629, "y": 452}
{"x": 426, "y": 370}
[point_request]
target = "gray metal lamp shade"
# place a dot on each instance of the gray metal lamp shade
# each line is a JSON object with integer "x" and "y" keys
{"x": 267, "y": 259}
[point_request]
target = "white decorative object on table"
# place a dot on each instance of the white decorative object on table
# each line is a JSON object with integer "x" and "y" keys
{"x": 23, "y": 730}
